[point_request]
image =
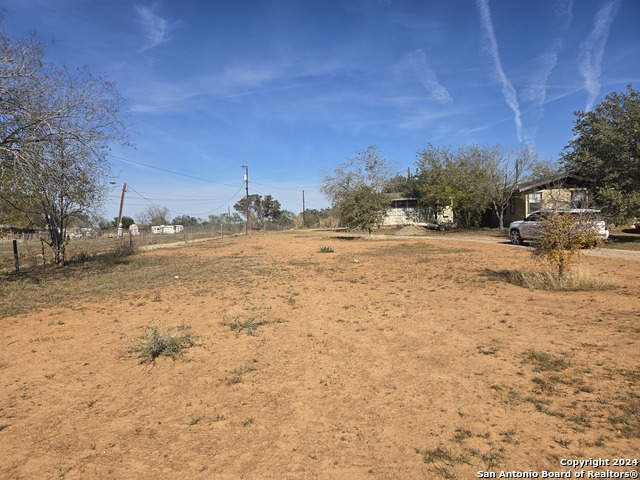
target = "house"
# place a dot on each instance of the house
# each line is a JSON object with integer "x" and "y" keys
{"x": 168, "y": 229}
{"x": 560, "y": 191}
{"x": 137, "y": 229}
{"x": 408, "y": 211}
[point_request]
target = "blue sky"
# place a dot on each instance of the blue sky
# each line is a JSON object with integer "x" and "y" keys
{"x": 295, "y": 87}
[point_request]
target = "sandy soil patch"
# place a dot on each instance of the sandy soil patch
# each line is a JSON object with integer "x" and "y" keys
{"x": 389, "y": 358}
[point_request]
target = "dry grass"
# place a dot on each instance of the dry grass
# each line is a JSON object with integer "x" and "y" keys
{"x": 577, "y": 279}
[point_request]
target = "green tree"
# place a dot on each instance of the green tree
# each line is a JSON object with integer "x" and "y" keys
{"x": 472, "y": 179}
{"x": 605, "y": 152}
{"x": 315, "y": 218}
{"x": 286, "y": 219}
{"x": 271, "y": 210}
{"x": 185, "y": 220}
{"x": 225, "y": 218}
{"x": 262, "y": 210}
{"x": 459, "y": 178}
{"x": 126, "y": 222}
{"x": 356, "y": 189}
{"x": 362, "y": 207}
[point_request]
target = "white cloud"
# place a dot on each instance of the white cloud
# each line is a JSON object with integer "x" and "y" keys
{"x": 548, "y": 60}
{"x": 417, "y": 61}
{"x": 592, "y": 50}
{"x": 508, "y": 91}
{"x": 157, "y": 28}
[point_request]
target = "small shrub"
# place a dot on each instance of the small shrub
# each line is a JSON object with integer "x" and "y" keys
{"x": 441, "y": 454}
{"x": 461, "y": 434}
{"x": 117, "y": 255}
{"x": 250, "y": 325}
{"x": 544, "y": 361}
{"x": 247, "y": 422}
{"x": 561, "y": 239}
{"x": 325, "y": 249}
{"x": 172, "y": 343}
{"x": 82, "y": 257}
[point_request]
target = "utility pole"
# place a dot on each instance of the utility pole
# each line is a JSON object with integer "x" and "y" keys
{"x": 124, "y": 189}
{"x": 304, "y": 220}
{"x": 246, "y": 186}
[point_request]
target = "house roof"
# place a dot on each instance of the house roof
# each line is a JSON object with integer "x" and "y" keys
{"x": 558, "y": 180}
{"x": 398, "y": 196}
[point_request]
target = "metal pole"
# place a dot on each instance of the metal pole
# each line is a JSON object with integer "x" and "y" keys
{"x": 246, "y": 183}
{"x": 304, "y": 221}
{"x": 124, "y": 189}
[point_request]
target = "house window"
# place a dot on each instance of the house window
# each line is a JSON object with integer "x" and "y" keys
{"x": 535, "y": 201}
{"x": 578, "y": 199}
{"x": 512, "y": 206}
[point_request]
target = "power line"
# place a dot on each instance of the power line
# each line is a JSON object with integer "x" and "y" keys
{"x": 200, "y": 178}
{"x": 188, "y": 196}
{"x": 277, "y": 188}
{"x": 182, "y": 201}
{"x": 186, "y": 213}
{"x": 169, "y": 171}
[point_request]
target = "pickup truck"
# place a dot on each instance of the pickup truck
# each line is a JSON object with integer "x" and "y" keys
{"x": 528, "y": 228}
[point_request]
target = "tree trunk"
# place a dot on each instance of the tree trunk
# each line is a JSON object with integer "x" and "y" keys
{"x": 57, "y": 244}
{"x": 561, "y": 268}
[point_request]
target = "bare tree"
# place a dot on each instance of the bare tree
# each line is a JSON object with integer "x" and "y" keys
{"x": 56, "y": 125}
{"x": 154, "y": 215}
{"x": 506, "y": 169}
{"x": 21, "y": 71}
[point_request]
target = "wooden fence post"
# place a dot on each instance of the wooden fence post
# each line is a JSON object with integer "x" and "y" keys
{"x": 16, "y": 258}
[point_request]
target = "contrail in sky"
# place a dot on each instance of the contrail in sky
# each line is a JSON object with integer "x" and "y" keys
{"x": 427, "y": 77}
{"x": 592, "y": 50}
{"x": 508, "y": 91}
{"x": 536, "y": 92}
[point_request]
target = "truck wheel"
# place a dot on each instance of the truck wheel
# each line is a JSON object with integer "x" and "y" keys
{"x": 514, "y": 236}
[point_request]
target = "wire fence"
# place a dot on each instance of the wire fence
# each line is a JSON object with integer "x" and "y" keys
{"x": 32, "y": 250}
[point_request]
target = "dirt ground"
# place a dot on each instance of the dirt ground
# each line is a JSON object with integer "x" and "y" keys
{"x": 387, "y": 358}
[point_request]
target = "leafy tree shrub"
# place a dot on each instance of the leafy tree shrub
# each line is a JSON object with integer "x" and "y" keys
{"x": 362, "y": 208}
{"x": 262, "y": 210}
{"x": 561, "y": 238}
{"x": 605, "y": 152}
{"x": 126, "y": 222}
{"x": 356, "y": 189}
